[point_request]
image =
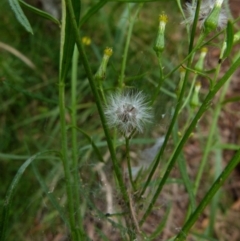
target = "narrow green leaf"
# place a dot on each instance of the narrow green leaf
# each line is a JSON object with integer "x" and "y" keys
{"x": 208, "y": 197}
{"x": 10, "y": 192}
{"x": 229, "y": 40}
{"x": 92, "y": 11}
{"x": 29, "y": 94}
{"x": 20, "y": 15}
{"x": 40, "y": 12}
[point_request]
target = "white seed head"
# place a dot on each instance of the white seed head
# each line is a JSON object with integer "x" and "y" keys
{"x": 128, "y": 111}
{"x": 205, "y": 9}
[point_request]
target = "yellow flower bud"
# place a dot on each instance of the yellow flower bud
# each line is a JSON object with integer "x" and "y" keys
{"x": 86, "y": 40}
{"x": 108, "y": 51}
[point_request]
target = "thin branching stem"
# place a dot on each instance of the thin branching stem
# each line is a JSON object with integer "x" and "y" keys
{"x": 76, "y": 176}
{"x": 125, "y": 53}
{"x": 205, "y": 105}
{"x": 161, "y": 78}
{"x": 216, "y": 113}
{"x": 208, "y": 197}
{"x": 98, "y": 100}
{"x": 129, "y": 162}
{"x": 175, "y": 115}
{"x": 66, "y": 163}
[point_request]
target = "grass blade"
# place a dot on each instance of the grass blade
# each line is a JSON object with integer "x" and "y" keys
{"x": 29, "y": 94}
{"x": 50, "y": 196}
{"x": 10, "y": 192}
{"x": 92, "y": 10}
{"x": 40, "y": 12}
{"x": 94, "y": 146}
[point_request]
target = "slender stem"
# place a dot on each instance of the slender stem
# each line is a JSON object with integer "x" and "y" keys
{"x": 216, "y": 114}
{"x": 205, "y": 201}
{"x": 125, "y": 53}
{"x": 76, "y": 177}
{"x": 220, "y": 63}
{"x": 102, "y": 93}
{"x": 189, "y": 93}
{"x": 175, "y": 115}
{"x": 159, "y": 155}
{"x": 161, "y": 78}
{"x": 98, "y": 101}
{"x": 64, "y": 143}
{"x": 66, "y": 163}
{"x": 128, "y": 162}
{"x": 95, "y": 8}
{"x": 205, "y": 105}
{"x": 182, "y": 165}
{"x": 216, "y": 199}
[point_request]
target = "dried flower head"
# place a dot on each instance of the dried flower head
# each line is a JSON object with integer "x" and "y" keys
{"x": 128, "y": 112}
{"x": 205, "y": 10}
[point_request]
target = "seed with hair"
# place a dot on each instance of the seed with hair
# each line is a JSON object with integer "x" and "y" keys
{"x": 128, "y": 112}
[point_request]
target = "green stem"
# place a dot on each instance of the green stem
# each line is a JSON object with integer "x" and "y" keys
{"x": 128, "y": 162}
{"x": 174, "y": 119}
{"x": 76, "y": 177}
{"x": 215, "y": 187}
{"x": 189, "y": 93}
{"x": 208, "y": 146}
{"x": 205, "y": 105}
{"x": 161, "y": 78}
{"x": 159, "y": 155}
{"x": 102, "y": 93}
{"x": 214, "y": 206}
{"x": 182, "y": 164}
{"x": 98, "y": 101}
{"x": 95, "y": 8}
{"x": 65, "y": 160}
{"x": 125, "y": 53}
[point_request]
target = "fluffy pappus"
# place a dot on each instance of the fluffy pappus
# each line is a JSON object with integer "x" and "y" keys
{"x": 128, "y": 112}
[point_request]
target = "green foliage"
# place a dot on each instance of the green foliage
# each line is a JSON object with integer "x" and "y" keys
{"x": 20, "y": 15}
{"x": 40, "y": 13}
{"x": 107, "y": 180}
{"x": 9, "y": 196}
